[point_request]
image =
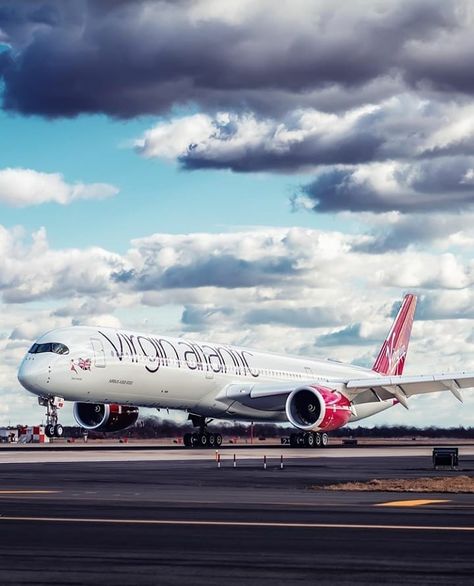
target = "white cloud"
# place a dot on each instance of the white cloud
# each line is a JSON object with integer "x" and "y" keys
{"x": 25, "y": 187}
{"x": 171, "y": 139}
{"x": 387, "y": 133}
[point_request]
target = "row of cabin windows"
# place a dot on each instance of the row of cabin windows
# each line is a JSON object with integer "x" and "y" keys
{"x": 174, "y": 362}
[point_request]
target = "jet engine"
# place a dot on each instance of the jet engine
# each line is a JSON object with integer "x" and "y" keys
{"x": 104, "y": 417}
{"x": 315, "y": 408}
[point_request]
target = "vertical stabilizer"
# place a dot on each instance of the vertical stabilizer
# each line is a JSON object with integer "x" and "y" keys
{"x": 391, "y": 358}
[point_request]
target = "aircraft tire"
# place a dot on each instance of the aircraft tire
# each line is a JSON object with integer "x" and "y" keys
{"x": 324, "y": 440}
{"x": 309, "y": 440}
{"x": 203, "y": 440}
{"x": 218, "y": 440}
{"x": 317, "y": 440}
{"x": 212, "y": 440}
{"x": 187, "y": 440}
{"x": 58, "y": 430}
{"x": 49, "y": 430}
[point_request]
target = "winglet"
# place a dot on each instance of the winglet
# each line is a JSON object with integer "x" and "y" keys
{"x": 391, "y": 358}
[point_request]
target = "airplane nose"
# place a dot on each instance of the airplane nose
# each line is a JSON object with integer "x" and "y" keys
{"x": 32, "y": 377}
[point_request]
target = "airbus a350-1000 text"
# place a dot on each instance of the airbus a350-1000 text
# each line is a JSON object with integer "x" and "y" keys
{"x": 110, "y": 373}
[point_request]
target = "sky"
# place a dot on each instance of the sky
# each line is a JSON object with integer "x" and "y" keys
{"x": 275, "y": 175}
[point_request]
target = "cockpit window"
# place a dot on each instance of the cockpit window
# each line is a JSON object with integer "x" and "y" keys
{"x": 55, "y": 347}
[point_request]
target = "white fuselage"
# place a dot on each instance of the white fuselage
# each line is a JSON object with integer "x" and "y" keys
{"x": 104, "y": 365}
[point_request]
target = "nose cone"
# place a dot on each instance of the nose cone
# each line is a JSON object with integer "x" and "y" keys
{"x": 32, "y": 376}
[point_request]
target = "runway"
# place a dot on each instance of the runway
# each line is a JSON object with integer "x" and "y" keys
{"x": 132, "y": 453}
{"x": 170, "y": 521}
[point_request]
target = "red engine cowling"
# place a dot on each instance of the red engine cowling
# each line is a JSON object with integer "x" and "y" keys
{"x": 104, "y": 417}
{"x": 316, "y": 408}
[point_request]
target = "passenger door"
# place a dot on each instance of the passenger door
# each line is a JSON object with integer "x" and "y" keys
{"x": 99, "y": 353}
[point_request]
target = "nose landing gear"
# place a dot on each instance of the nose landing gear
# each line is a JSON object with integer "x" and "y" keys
{"x": 52, "y": 428}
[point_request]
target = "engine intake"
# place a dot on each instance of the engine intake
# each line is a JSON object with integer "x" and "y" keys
{"x": 105, "y": 417}
{"x": 317, "y": 409}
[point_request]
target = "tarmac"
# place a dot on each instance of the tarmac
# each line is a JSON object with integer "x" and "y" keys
{"x": 170, "y": 516}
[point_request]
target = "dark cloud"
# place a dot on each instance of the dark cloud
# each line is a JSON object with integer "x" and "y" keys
{"x": 356, "y": 147}
{"x": 224, "y": 271}
{"x": 405, "y": 63}
{"x": 435, "y": 184}
{"x": 442, "y": 62}
{"x": 130, "y": 58}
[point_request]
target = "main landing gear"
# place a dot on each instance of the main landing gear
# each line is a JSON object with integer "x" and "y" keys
{"x": 309, "y": 439}
{"x": 201, "y": 438}
{"x": 52, "y": 428}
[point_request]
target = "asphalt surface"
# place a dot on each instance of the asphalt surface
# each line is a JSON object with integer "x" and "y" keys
{"x": 189, "y": 522}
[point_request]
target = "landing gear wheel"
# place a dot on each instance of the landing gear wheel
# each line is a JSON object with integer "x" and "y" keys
{"x": 49, "y": 430}
{"x": 194, "y": 440}
{"x": 317, "y": 439}
{"x": 218, "y": 440}
{"x": 203, "y": 440}
{"x": 187, "y": 440}
{"x": 58, "y": 430}
{"x": 324, "y": 440}
{"x": 212, "y": 440}
{"x": 309, "y": 440}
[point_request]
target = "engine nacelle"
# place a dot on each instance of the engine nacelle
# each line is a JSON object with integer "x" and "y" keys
{"x": 317, "y": 409}
{"x": 104, "y": 417}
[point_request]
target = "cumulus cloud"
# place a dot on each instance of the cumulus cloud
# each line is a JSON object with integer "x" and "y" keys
{"x": 402, "y": 127}
{"x": 429, "y": 185}
{"x": 25, "y": 187}
{"x": 373, "y": 98}
{"x": 31, "y": 270}
{"x": 195, "y": 52}
{"x": 294, "y": 277}
{"x": 304, "y": 140}
{"x": 396, "y": 231}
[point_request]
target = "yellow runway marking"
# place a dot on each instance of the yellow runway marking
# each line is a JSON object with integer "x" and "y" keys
{"x": 29, "y": 492}
{"x": 412, "y": 503}
{"x": 235, "y": 524}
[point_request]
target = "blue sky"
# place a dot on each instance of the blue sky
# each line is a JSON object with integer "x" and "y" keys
{"x": 154, "y": 195}
{"x": 204, "y": 137}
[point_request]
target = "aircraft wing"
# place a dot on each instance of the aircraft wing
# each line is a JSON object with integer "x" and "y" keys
{"x": 404, "y": 386}
{"x": 272, "y": 396}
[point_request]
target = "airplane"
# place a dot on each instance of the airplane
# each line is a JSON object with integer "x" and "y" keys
{"x": 110, "y": 373}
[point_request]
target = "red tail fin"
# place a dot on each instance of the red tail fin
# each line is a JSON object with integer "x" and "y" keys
{"x": 391, "y": 358}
